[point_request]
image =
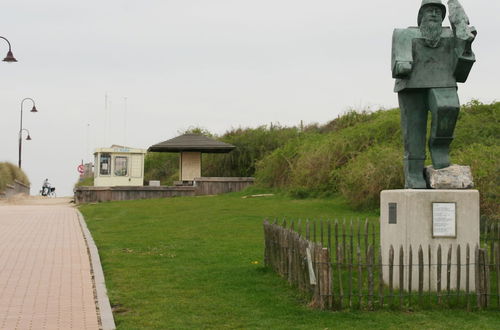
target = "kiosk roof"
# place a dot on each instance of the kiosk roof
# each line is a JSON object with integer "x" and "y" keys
{"x": 192, "y": 142}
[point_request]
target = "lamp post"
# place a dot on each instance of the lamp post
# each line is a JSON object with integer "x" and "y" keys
{"x": 28, "y": 138}
{"x": 21, "y": 128}
{"x": 10, "y": 57}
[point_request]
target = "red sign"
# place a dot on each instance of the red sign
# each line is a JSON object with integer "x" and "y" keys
{"x": 80, "y": 169}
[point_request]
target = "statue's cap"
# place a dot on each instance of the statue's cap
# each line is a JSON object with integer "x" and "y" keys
{"x": 426, "y": 3}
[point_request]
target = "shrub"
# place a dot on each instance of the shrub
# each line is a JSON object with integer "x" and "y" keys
{"x": 485, "y": 167}
{"x": 162, "y": 166}
{"x": 10, "y": 172}
{"x": 362, "y": 179}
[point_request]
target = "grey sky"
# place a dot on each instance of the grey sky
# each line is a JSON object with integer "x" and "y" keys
{"x": 211, "y": 63}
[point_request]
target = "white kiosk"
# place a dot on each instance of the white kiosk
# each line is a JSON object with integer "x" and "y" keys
{"x": 119, "y": 166}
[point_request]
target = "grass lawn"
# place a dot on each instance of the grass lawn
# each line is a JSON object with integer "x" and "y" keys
{"x": 196, "y": 262}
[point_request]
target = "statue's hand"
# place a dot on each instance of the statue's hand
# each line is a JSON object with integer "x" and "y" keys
{"x": 403, "y": 69}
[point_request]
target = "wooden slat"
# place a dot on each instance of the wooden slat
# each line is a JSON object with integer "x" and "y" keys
{"x": 477, "y": 275}
{"x": 329, "y": 233}
{"x": 299, "y": 227}
{"x": 497, "y": 268}
{"x": 350, "y": 261}
{"x": 487, "y": 285}
{"x": 410, "y": 274}
{"x": 343, "y": 241}
{"x": 381, "y": 278}
{"x": 492, "y": 241}
{"x": 336, "y": 233}
{"x": 324, "y": 270}
{"x": 420, "y": 273}
{"x": 370, "y": 263}
{"x": 351, "y": 275}
{"x": 448, "y": 275}
{"x": 308, "y": 230}
{"x": 438, "y": 279}
{"x": 360, "y": 277}
{"x": 314, "y": 239}
{"x": 429, "y": 268}
{"x": 339, "y": 271}
{"x": 391, "y": 273}
{"x": 291, "y": 250}
{"x": 366, "y": 237}
{"x": 467, "y": 276}
{"x": 374, "y": 239}
{"x": 401, "y": 275}
{"x": 322, "y": 233}
{"x": 459, "y": 272}
{"x": 310, "y": 266}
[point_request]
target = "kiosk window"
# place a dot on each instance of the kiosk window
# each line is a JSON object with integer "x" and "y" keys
{"x": 121, "y": 166}
{"x": 104, "y": 165}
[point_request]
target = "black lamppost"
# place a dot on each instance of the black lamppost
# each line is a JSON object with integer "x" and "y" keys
{"x": 21, "y": 128}
{"x": 10, "y": 57}
{"x": 28, "y": 138}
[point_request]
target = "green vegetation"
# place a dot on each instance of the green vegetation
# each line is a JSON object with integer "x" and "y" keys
{"x": 196, "y": 262}
{"x": 85, "y": 182}
{"x": 365, "y": 157}
{"x": 252, "y": 145}
{"x": 10, "y": 172}
{"x": 355, "y": 155}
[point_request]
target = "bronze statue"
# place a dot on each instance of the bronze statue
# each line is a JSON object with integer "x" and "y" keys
{"x": 427, "y": 62}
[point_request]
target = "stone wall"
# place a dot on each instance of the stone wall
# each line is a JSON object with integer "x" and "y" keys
{"x": 17, "y": 187}
{"x": 221, "y": 185}
{"x": 201, "y": 186}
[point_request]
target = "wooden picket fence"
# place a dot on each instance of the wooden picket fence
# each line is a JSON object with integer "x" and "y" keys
{"x": 339, "y": 265}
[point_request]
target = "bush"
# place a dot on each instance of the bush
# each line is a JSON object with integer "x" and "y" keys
{"x": 364, "y": 177}
{"x": 162, "y": 166}
{"x": 10, "y": 172}
{"x": 485, "y": 167}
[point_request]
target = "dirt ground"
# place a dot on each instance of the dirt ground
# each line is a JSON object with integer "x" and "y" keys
{"x": 22, "y": 199}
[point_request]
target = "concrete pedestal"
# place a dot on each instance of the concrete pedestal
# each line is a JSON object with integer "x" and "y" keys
{"x": 406, "y": 219}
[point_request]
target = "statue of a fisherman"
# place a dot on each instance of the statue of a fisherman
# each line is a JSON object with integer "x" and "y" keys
{"x": 427, "y": 62}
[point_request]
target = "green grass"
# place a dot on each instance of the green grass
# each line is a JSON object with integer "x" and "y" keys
{"x": 189, "y": 263}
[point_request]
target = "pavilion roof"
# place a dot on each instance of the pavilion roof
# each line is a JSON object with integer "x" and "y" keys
{"x": 192, "y": 142}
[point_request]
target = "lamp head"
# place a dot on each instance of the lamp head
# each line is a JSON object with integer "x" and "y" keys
{"x": 10, "y": 57}
{"x": 28, "y": 138}
{"x": 34, "y": 109}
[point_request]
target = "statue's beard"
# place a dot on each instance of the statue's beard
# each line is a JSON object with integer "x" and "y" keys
{"x": 431, "y": 32}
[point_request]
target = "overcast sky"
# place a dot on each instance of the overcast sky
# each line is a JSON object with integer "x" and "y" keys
{"x": 167, "y": 65}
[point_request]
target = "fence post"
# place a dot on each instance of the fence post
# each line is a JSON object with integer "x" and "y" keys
{"x": 370, "y": 262}
{"x": 420, "y": 273}
{"x": 339, "y": 270}
{"x": 438, "y": 279}
{"x": 266, "y": 243}
{"x": 467, "y": 275}
{"x": 410, "y": 274}
{"x": 459, "y": 272}
{"x": 497, "y": 267}
{"x": 478, "y": 275}
{"x": 381, "y": 278}
{"x": 401, "y": 275}
{"x": 391, "y": 274}
{"x": 366, "y": 237}
{"x": 360, "y": 278}
{"x": 448, "y": 275}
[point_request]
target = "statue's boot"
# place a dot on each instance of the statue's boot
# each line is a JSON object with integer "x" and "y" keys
{"x": 440, "y": 152}
{"x": 414, "y": 174}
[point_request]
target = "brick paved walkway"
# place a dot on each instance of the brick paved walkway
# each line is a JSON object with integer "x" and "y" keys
{"x": 45, "y": 273}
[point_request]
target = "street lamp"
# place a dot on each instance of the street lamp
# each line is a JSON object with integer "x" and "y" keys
{"x": 28, "y": 138}
{"x": 21, "y": 128}
{"x": 10, "y": 57}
